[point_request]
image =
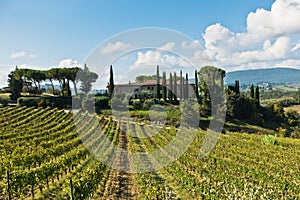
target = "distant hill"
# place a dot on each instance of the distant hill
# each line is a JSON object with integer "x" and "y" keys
{"x": 271, "y": 75}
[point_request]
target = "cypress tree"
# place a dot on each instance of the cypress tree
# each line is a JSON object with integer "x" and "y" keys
{"x": 170, "y": 88}
{"x": 157, "y": 83}
{"x": 186, "y": 85}
{"x": 237, "y": 87}
{"x": 175, "y": 87}
{"x": 257, "y": 94}
{"x": 196, "y": 85}
{"x": 164, "y": 91}
{"x": 181, "y": 85}
{"x": 252, "y": 91}
{"x": 111, "y": 83}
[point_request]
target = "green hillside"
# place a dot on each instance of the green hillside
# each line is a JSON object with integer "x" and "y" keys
{"x": 41, "y": 153}
{"x": 272, "y": 75}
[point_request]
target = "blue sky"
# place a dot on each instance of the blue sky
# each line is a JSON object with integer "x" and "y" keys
{"x": 43, "y": 34}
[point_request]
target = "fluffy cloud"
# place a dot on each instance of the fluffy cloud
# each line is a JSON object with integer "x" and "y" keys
{"x": 268, "y": 40}
{"x": 67, "y": 63}
{"x": 289, "y": 63}
{"x": 17, "y": 54}
{"x": 168, "y": 47}
{"x": 195, "y": 44}
{"x": 157, "y": 57}
{"x": 280, "y": 20}
{"x": 21, "y": 54}
{"x": 114, "y": 47}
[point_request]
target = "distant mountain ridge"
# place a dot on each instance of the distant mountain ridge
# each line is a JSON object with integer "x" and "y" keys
{"x": 269, "y": 75}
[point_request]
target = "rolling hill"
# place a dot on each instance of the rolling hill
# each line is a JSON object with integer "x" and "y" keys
{"x": 271, "y": 75}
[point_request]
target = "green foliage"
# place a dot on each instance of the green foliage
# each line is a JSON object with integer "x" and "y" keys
{"x": 147, "y": 104}
{"x": 96, "y": 104}
{"x": 49, "y": 101}
{"x": 197, "y": 85}
{"x": 211, "y": 84}
{"x": 170, "y": 91}
{"x": 257, "y": 95}
{"x": 4, "y": 101}
{"x": 101, "y": 102}
{"x": 88, "y": 104}
{"x": 87, "y": 78}
{"x": 270, "y": 139}
{"x": 111, "y": 85}
{"x": 29, "y": 101}
{"x": 252, "y": 91}
{"x": 15, "y": 83}
{"x": 158, "y": 96}
{"x": 164, "y": 88}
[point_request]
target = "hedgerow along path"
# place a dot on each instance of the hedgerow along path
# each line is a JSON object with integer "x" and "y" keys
{"x": 42, "y": 157}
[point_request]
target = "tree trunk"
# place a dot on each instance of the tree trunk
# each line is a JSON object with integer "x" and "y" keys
{"x": 75, "y": 88}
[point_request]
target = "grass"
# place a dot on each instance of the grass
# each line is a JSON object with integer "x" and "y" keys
{"x": 293, "y": 107}
{"x": 4, "y": 95}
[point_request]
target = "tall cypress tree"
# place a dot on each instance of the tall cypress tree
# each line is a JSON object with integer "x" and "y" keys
{"x": 252, "y": 91}
{"x": 237, "y": 87}
{"x": 170, "y": 88}
{"x": 196, "y": 85}
{"x": 164, "y": 87}
{"x": 157, "y": 83}
{"x": 175, "y": 87}
{"x": 257, "y": 94}
{"x": 186, "y": 85}
{"x": 111, "y": 83}
{"x": 181, "y": 85}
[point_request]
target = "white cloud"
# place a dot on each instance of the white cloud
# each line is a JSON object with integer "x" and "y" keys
{"x": 21, "y": 54}
{"x": 114, "y": 47}
{"x": 18, "y": 54}
{"x": 156, "y": 57}
{"x": 290, "y": 63}
{"x": 296, "y": 47}
{"x": 67, "y": 63}
{"x": 282, "y": 19}
{"x": 168, "y": 47}
{"x": 267, "y": 40}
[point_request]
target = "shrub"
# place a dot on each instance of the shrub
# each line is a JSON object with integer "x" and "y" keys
{"x": 29, "y": 101}
{"x": 4, "y": 101}
{"x": 88, "y": 104}
{"x": 148, "y": 103}
{"x": 102, "y": 102}
{"x": 270, "y": 139}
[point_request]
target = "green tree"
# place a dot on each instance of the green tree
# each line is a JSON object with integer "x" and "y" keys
{"x": 73, "y": 76}
{"x": 237, "y": 87}
{"x": 15, "y": 83}
{"x": 37, "y": 76}
{"x": 50, "y": 75}
{"x": 181, "y": 85}
{"x": 87, "y": 78}
{"x": 252, "y": 91}
{"x": 111, "y": 85}
{"x": 171, "y": 88}
{"x": 196, "y": 85}
{"x": 257, "y": 94}
{"x": 175, "y": 87}
{"x": 211, "y": 83}
{"x": 164, "y": 87}
{"x": 157, "y": 83}
{"x": 186, "y": 86}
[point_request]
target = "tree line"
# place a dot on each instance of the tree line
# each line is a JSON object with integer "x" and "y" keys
{"x": 29, "y": 80}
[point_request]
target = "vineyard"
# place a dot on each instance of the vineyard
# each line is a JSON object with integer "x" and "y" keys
{"x": 43, "y": 157}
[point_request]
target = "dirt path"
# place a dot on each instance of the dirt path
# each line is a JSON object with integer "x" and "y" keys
{"x": 121, "y": 185}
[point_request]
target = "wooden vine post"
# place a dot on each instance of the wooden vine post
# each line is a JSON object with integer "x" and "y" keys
{"x": 71, "y": 190}
{"x": 8, "y": 185}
